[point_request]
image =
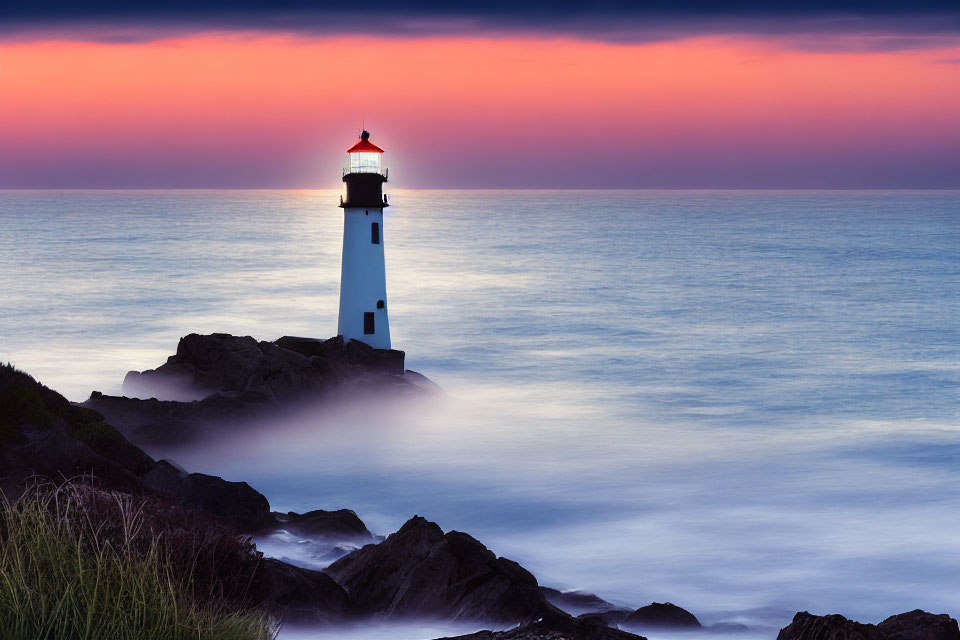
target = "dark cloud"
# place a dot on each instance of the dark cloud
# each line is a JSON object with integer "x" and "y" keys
{"x": 813, "y": 25}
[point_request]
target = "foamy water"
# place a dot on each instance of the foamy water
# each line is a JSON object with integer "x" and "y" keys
{"x": 741, "y": 402}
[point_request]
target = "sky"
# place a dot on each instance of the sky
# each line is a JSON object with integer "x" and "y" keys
{"x": 687, "y": 94}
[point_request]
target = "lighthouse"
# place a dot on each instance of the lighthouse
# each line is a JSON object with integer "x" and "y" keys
{"x": 363, "y": 277}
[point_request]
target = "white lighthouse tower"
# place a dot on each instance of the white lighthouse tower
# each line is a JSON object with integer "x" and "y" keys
{"x": 363, "y": 278}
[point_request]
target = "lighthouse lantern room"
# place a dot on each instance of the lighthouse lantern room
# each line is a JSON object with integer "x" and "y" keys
{"x": 363, "y": 279}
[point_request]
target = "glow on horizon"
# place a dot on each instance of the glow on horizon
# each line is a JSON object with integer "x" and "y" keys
{"x": 249, "y": 110}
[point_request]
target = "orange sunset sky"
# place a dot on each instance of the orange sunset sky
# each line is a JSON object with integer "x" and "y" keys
{"x": 269, "y": 109}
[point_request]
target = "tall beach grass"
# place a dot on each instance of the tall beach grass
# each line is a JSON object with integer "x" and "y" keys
{"x": 80, "y": 563}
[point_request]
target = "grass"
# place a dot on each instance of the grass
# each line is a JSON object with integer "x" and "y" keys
{"x": 78, "y": 563}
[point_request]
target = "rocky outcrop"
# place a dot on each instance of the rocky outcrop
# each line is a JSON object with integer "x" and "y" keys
{"x": 235, "y": 503}
{"x": 164, "y": 477}
{"x": 420, "y": 571}
{"x": 155, "y": 422}
{"x": 914, "y": 625}
{"x": 42, "y": 434}
{"x": 349, "y": 360}
{"x": 235, "y": 366}
{"x": 46, "y": 436}
{"x": 219, "y": 380}
{"x": 578, "y": 603}
{"x": 342, "y": 524}
{"x": 241, "y": 367}
{"x": 661, "y": 616}
{"x": 806, "y": 626}
{"x": 556, "y": 627}
{"x": 300, "y": 595}
{"x": 919, "y": 625}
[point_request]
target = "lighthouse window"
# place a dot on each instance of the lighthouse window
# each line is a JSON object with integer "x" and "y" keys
{"x": 364, "y": 162}
{"x": 368, "y": 327}
{"x": 375, "y": 233}
{"x": 380, "y": 304}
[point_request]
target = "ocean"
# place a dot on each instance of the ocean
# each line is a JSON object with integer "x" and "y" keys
{"x": 742, "y": 402}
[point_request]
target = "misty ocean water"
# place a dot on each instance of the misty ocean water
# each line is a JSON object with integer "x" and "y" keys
{"x": 745, "y": 403}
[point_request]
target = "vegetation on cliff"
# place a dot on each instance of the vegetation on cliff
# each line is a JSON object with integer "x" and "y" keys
{"x": 87, "y": 564}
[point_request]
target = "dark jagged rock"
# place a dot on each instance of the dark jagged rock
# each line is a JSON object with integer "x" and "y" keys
{"x": 52, "y": 452}
{"x": 557, "y": 627}
{"x": 919, "y": 625}
{"x": 164, "y": 477}
{"x": 806, "y": 626}
{"x": 300, "y": 595}
{"x": 347, "y": 359}
{"x": 420, "y": 571}
{"x": 236, "y": 366}
{"x": 42, "y": 434}
{"x": 236, "y": 503}
{"x": 342, "y": 524}
{"x": 241, "y": 367}
{"x": 661, "y": 615}
{"x": 423, "y": 382}
{"x": 579, "y": 602}
{"x": 318, "y": 537}
{"x": 913, "y": 625}
{"x": 220, "y": 379}
{"x": 164, "y": 422}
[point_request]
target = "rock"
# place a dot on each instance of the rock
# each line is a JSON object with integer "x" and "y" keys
{"x": 314, "y": 539}
{"x": 300, "y": 595}
{"x": 42, "y": 434}
{"x": 53, "y": 453}
{"x": 47, "y": 436}
{"x": 420, "y": 571}
{"x": 164, "y": 477}
{"x": 919, "y": 625}
{"x": 347, "y": 359}
{"x": 221, "y": 380}
{"x": 423, "y": 382}
{"x": 806, "y": 626}
{"x": 242, "y": 367}
{"x": 165, "y": 422}
{"x": 342, "y": 524}
{"x": 578, "y": 602}
{"x": 556, "y": 627}
{"x": 235, "y": 503}
{"x": 914, "y": 625}
{"x": 661, "y": 615}
{"x": 236, "y": 366}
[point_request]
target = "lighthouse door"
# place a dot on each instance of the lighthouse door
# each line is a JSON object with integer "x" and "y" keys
{"x": 368, "y": 326}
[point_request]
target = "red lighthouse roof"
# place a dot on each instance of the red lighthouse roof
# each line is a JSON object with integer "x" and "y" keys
{"x": 365, "y": 145}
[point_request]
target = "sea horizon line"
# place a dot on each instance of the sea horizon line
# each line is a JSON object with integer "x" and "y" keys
{"x": 400, "y": 189}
